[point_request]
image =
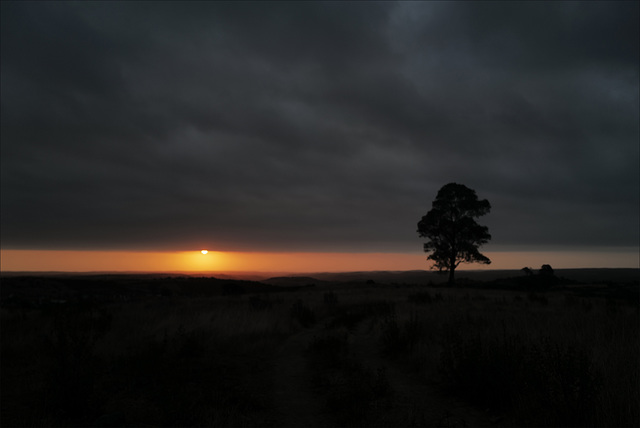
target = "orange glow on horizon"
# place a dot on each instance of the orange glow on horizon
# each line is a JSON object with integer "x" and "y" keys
{"x": 220, "y": 262}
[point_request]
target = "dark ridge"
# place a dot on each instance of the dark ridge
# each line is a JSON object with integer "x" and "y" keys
{"x": 584, "y": 275}
{"x": 292, "y": 281}
{"x": 36, "y": 290}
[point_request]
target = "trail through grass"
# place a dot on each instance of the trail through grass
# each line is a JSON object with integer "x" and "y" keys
{"x": 296, "y": 405}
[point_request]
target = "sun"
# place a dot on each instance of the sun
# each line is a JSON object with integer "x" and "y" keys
{"x": 204, "y": 251}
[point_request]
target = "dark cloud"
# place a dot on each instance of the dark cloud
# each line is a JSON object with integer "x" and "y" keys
{"x": 316, "y": 126}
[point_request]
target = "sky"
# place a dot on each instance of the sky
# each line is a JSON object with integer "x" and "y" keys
{"x": 316, "y": 129}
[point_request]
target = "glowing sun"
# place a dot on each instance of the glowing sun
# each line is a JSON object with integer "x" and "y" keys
{"x": 204, "y": 251}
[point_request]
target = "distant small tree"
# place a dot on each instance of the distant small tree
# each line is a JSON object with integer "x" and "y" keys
{"x": 546, "y": 270}
{"x": 453, "y": 235}
{"x": 527, "y": 271}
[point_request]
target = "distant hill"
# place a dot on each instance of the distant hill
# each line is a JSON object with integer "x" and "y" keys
{"x": 120, "y": 287}
{"x": 587, "y": 275}
{"x": 297, "y": 281}
{"x": 404, "y": 277}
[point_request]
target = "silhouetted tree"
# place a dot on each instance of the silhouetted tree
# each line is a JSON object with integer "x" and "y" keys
{"x": 546, "y": 270}
{"x": 527, "y": 271}
{"x": 453, "y": 234}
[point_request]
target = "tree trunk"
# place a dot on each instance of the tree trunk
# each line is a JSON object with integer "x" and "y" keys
{"x": 452, "y": 267}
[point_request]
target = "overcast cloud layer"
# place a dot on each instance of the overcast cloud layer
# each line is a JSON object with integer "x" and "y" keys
{"x": 316, "y": 126}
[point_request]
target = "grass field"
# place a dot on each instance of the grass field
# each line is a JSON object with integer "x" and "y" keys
{"x": 374, "y": 355}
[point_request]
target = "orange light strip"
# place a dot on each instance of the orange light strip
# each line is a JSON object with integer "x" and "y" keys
{"x": 216, "y": 261}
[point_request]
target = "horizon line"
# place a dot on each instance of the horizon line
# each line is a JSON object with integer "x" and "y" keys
{"x": 248, "y": 272}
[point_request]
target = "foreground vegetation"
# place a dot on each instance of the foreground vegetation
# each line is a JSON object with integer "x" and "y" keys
{"x": 538, "y": 360}
{"x": 522, "y": 358}
{"x": 181, "y": 362}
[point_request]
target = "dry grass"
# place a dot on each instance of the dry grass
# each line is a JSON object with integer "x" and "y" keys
{"x": 164, "y": 362}
{"x": 208, "y": 361}
{"x": 588, "y": 348}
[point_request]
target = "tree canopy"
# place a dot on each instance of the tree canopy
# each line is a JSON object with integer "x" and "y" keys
{"x": 452, "y": 232}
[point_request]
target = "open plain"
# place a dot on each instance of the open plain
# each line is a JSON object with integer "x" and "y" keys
{"x": 351, "y": 350}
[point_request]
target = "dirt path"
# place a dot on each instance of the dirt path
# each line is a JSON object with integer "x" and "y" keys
{"x": 416, "y": 404}
{"x": 296, "y": 404}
